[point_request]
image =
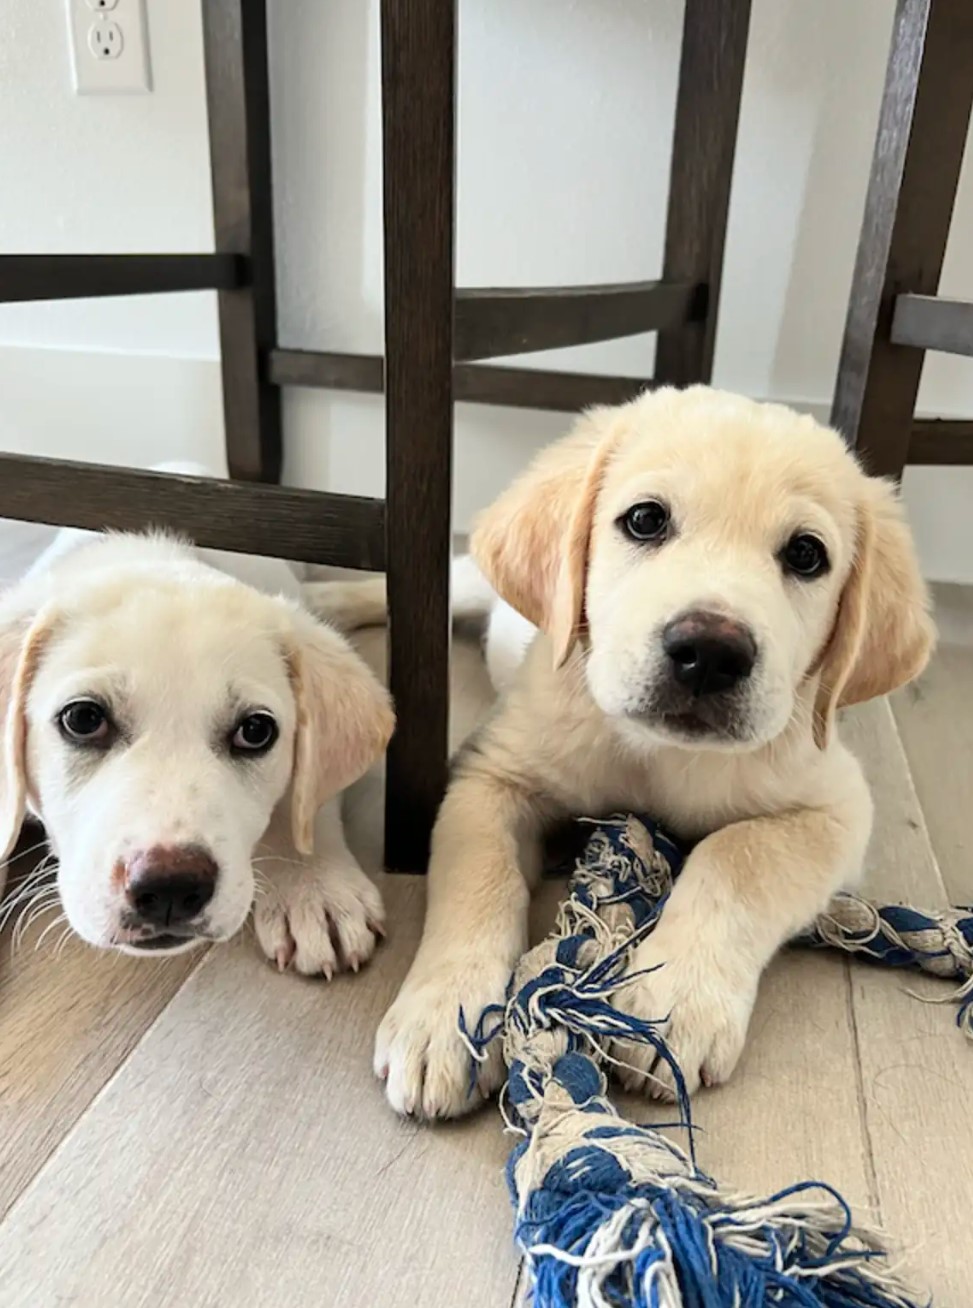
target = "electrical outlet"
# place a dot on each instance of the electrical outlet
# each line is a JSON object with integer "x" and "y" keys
{"x": 109, "y": 46}
{"x": 105, "y": 40}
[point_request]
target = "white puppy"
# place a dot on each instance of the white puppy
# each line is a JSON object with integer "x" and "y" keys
{"x": 177, "y": 730}
{"x": 712, "y": 579}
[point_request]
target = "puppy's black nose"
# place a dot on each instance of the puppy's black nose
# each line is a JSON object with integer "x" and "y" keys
{"x": 708, "y": 652}
{"x": 169, "y": 887}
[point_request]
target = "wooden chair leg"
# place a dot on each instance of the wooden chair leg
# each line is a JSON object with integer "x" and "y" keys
{"x": 418, "y": 107}
{"x": 714, "y": 47}
{"x": 238, "y": 101}
{"x": 922, "y": 131}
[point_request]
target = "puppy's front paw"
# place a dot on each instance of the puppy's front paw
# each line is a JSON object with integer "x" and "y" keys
{"x": 418, "y": 1049}
{"x": 708, "y": 1002}
{"x": 318, "y": 920}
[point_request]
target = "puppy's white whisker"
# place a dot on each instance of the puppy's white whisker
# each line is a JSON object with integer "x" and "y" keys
{"x": 279, "y": 861}
{"x": 38, "y": 877}
{"x": 62, "y": 941}
{"x": 47, "y": 930}
{"x": 26, "y": 887}
{"x": 40, "y": 901}
{"x": 30, "y": 912}
{"x": 18, "y": 854}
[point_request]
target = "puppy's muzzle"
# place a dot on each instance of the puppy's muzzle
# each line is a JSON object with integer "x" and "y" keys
{"x": 167, "y": 888}
{"x": 708, "y": 653}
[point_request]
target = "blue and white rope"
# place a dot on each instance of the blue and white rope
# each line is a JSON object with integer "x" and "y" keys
{"x": 610, "y": 1214}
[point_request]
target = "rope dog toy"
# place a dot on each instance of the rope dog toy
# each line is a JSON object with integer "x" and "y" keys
{"x": 614, "y": 1215}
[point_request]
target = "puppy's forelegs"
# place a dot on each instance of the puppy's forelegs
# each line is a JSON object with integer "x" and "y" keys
{"x": 485, "y": 852}
{"x": 744, "y": 892}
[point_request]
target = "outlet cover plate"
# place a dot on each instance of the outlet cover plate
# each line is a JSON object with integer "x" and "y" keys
{"x": 127, "y": 72}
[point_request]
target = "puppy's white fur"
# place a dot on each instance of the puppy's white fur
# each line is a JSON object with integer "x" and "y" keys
{"x": 178, "y": 642}
{"x": 779, "y": 807}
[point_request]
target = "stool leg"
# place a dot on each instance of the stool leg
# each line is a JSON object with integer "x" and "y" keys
{"x": 714, "y": 47}
{"x": 238, "y": 104}
{"x": 418, "y": 110}
{"x": 922, "y": 131}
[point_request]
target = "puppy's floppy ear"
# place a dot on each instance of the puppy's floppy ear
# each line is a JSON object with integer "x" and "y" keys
{"x": 883, "y": 635}
{"x": 344, "y": 720}
{"x": 22, "y": 638}
{"x": 532, "y": 543}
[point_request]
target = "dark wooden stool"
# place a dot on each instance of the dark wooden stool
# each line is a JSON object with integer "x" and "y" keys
{"x": 895, "y": 314}
{"x": 434, "y": 335}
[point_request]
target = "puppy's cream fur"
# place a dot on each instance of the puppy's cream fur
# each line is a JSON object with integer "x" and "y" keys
{"x": 779, "y": 807}
{"x": 176, "y": 642}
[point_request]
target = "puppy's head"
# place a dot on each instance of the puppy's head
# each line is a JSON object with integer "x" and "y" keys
{"x": 153, "y": 725}
{"x": 727, "y": 564}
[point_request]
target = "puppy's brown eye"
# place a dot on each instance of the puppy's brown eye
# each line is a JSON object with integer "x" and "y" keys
{"x": 648, "y": 520}
{"x": 805, "y": 556}
{"x": 85, "y": 722}
{"x": 254, "y": 734}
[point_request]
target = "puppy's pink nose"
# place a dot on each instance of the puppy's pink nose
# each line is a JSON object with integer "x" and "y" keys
{"x": 170, "y": 885}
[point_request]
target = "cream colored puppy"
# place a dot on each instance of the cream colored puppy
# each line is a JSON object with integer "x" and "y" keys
{"x": 183, "y": 736}
{"x": 712, "y": 579}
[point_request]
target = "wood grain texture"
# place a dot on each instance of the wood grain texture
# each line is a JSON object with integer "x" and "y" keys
{"x": 238, "y": 107}
{"x": 418, "y": 111}
{"x": 245, "y": 1156}
{"x": 68, "y": 1019}
{"x": 74, "y": 276}
{"x": 526, "y": 388}
{"x": 714, "y": 46}
{"x": 935, "y": 721}
{"x": 922, "y": 132}
{"x": 312, "y": 526}
{"x": 931, "y": 322}
{"x": 492, "y": 323}
{"x": 915, "y": 1068}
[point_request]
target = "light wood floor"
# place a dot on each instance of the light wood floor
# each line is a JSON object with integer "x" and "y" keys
{"x": 201, "y": 1131}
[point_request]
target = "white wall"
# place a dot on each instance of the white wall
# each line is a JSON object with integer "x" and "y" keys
{"x": 564, "y": 127}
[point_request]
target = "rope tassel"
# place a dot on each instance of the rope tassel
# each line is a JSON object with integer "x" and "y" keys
{"x": 613, "y": 1215}
{"x": 937, "y": 942}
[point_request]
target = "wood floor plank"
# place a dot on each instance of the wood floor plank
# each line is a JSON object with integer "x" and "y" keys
{"x": 765, "y": 1128}
{"x": 935, "y": 721}
{"x": 916, "y": 1070}
{"x": 245, "y": 1155}
{"x": 66, "y": 1024}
